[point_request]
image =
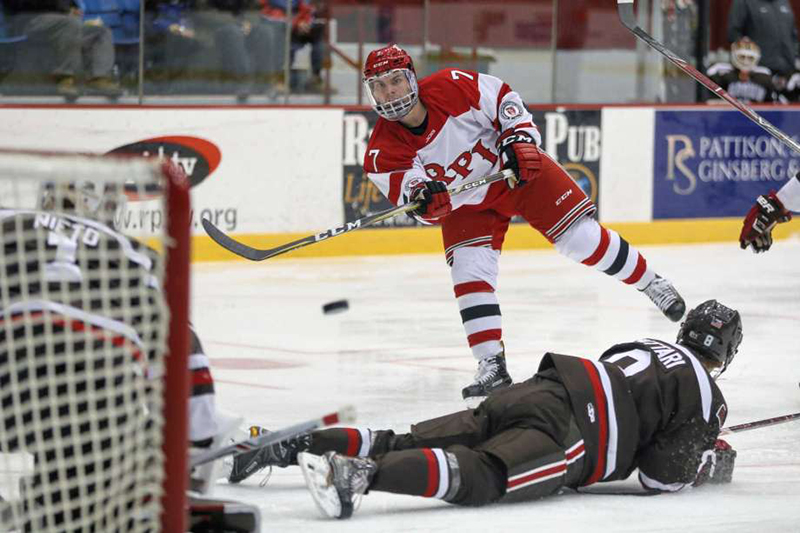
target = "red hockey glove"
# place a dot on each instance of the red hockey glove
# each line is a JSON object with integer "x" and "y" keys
{"x": 433, "y": 198}
{"x": 519, "y": 152}
{"x": 717, "y": 464}
{"x": 762, "y": 217}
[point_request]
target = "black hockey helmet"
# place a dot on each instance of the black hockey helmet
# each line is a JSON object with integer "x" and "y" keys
{"x": 713, "y": 331}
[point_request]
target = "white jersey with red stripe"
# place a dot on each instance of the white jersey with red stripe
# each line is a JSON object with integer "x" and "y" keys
{"x": 81, "y": 275}
{"x": 83, "y": 269}
{"x": 89, "y": 273}
{"x": 203, "y": 421}
{"x": 466, "y": 113}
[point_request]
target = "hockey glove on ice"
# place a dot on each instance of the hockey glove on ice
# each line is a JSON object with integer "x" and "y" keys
{"x": 762, "y": 217}
{"x": 717, "y": 465}
{"x": 433, "y": 198}
{"x": 519, "y": 153}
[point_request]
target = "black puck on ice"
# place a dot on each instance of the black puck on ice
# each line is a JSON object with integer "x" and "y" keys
{"x": 339, "y": 306}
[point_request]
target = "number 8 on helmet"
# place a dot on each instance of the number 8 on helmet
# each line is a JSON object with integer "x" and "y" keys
{"x": 714, "y": 331}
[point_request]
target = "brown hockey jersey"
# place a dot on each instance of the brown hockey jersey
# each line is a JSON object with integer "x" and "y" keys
{"x": 647, "y": 404}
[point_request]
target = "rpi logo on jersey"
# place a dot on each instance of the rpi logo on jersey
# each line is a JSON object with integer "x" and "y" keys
{"x": 590, "y": 412}
{"x": 510, "y": 110}
{"x": 198, "y": 157}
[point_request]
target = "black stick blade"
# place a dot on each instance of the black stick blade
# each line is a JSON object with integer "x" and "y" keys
{"x": 231, "y": 245}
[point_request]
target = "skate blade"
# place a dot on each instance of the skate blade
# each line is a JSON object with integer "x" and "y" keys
{"x": 317, "y": 473}
{"x": 474, "y": 401}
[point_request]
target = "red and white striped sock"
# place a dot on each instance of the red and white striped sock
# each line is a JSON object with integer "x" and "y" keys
{"x": 474, "y": 275}
{"x": 596, "y": 246}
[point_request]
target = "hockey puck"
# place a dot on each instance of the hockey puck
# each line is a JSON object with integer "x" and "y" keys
{"x": 339, "y": 306}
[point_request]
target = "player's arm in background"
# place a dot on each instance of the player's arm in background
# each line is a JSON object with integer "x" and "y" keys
{"x": 767, "y": 212}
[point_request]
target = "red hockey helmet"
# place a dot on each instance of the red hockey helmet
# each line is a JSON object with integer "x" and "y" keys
{"x": 391, "y": 82}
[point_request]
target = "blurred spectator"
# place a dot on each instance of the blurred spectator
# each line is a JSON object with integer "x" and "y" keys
{"x": 244, "y": 46}
{"x": 122, "y": 18}
{"x": 385, "y": 23}
{"x": 119, "y": 16}
{"x": 307, "y": 29}
{"x": 771, "y": 25}
{"x": 9, "y": 41}
{"x": 172, "y": 45}
{"x": 743, "y": 78}
{"x": 76, "y": 47}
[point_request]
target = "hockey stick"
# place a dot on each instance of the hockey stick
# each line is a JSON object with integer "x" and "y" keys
{"x": 626, "y": 15}
{"x": 343, "y": 415}
{"x": 747, "y": 426}
{"x": 254, "y": 254}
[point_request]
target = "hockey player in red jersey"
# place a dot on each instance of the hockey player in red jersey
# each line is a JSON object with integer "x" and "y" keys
{"x": 768, "y": 211}
{"x": 456, "y": 126}
{"x": 648, "y": 404}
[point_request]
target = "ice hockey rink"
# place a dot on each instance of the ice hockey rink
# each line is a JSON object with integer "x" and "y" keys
{"x": 399, "y": 356}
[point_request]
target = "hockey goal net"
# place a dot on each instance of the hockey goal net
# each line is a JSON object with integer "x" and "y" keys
{"x": 94, "y": 271}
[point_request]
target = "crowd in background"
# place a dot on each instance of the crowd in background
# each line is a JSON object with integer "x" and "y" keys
{"x": 764, "y": 65}
{"x": 91, "y": 47}
{"x": 238, "y": 47}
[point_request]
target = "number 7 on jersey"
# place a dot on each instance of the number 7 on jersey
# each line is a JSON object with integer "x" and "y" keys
{"x": 374, "y": 154}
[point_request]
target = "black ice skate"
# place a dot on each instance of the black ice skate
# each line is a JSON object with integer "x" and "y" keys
{"x": 281, "y": 454}
{"x": 492, "y": 375}
{"x": 663, "y": 294}
{"x": 336, "y": 482}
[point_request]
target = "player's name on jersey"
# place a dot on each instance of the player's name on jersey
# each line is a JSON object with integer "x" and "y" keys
{"x": 69, "y": 229}
{"x": 667, "y": 355}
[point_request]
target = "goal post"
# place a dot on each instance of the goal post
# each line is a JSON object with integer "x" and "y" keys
{"x": 94, "y": 341}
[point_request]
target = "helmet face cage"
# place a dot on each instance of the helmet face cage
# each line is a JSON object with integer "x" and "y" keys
{"x": 399, "y": 107}
{"x": 745, "y": 54}
{"x": 83, "y": 199}
{"x": 714, "y": 331}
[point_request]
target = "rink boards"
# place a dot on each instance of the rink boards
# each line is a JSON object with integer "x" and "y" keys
{"x": 272, "y": 174}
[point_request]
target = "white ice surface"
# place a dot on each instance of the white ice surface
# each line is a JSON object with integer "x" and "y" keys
{"x": 400, "y": 356}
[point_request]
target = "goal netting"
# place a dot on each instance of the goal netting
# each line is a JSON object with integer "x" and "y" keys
{"x": 93, "y": 343}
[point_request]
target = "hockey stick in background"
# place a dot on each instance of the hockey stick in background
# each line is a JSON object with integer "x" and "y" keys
{"x": 626, "y": 15}
{"x": 747, "y": 426}
{"x": 345, "y": 415}
{"x": 254, "y": 254}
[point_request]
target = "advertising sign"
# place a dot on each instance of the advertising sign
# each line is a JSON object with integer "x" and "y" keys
{"x": 714, "y": 163}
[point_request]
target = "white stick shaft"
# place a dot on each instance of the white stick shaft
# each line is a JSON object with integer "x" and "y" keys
{"x": 344, "y": 415}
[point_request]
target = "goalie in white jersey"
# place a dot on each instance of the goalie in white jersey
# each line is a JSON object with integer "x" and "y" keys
{"x": 67, "y": 271}
{"x": 456, "y": 126}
